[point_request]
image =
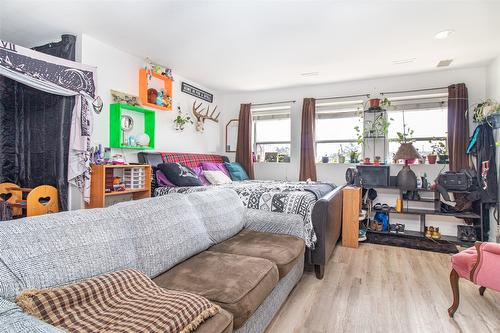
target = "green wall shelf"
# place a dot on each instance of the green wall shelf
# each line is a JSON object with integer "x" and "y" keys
{"x": 116, "y": 134}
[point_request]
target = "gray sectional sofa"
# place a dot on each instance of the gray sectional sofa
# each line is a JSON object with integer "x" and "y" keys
{"x": 247, "y": 261}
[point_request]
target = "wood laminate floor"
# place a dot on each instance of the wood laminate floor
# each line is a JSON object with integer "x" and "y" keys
{"x": 378, "y": 288}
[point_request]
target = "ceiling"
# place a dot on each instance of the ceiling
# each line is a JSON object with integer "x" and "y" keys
{"x": 251, "y": 45}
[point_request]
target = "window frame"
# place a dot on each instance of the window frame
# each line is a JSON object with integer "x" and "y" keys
{"x": 267, "y": 110}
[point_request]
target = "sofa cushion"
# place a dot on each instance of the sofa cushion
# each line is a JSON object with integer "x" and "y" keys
{"x": 166, "y": 229}
{"x": 222, "y": 322}
{"x": 55, "y": 249}
{"x": 179, "y": 174}
{"x": 283, "y": 250}
{"x": 239, "y": 284}
{"x": 221, "y": 210}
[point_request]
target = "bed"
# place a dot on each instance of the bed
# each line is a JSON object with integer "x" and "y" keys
{"x": 319, "y": 204}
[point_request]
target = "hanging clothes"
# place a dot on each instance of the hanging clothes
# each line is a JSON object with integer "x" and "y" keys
{"x": 482, "y": 146}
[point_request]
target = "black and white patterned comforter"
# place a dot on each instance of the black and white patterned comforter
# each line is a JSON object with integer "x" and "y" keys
{"x": 275, "y": 196}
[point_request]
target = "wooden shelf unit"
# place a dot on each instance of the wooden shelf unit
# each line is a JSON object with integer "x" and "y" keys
{"x": 98, "y": 192}
{"x": 351, "y": 207}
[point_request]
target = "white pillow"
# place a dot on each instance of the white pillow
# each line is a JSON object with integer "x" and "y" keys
{"x": 217, "y": 177}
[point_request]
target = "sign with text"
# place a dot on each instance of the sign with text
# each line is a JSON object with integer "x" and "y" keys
{"x": 197, "y": 92}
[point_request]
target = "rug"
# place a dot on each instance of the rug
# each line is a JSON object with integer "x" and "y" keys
{"x": 412, "y": 242}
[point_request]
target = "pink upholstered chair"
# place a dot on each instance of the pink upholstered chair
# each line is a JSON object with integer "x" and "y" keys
{"x": 479, "y": 264}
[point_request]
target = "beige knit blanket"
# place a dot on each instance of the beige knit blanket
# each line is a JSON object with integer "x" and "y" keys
{"x": 124, "y": 301}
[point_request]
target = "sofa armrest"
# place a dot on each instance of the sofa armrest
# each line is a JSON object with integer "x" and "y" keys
{"x": 14, "y": 320}
{"x": 276, "y": 223}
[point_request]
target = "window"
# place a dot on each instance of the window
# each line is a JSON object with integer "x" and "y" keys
{"x": 425, "y": 115}
{"x": 272, "y": 132}
{"x": 335, "y": 128}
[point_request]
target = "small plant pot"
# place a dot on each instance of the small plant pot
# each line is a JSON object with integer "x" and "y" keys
{"x": 325, "y": 159}
{"x": 443, "y": 159}
{"x": 374, "y": 102}
{"x": 366, "y": 160}
{"x": 341, "y": 159}
{"x": 353, "y": 160}
{"x": 432, "y": 159}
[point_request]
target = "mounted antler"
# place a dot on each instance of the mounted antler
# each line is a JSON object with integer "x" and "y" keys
{"x": 201, "y": 116}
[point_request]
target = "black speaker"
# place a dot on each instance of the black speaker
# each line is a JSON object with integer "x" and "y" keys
{"x": 373, "y": 176}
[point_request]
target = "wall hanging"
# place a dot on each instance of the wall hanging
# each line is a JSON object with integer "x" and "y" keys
{"x": 181, "y": 119}
{"x": 66, "y": 78}
{"x": 155, "y": 86}
{"x": 201, "y": 117}
{"x": 131, "y": 127}
{"x": 124, "y": 98}
{"x": 197, "y": 92}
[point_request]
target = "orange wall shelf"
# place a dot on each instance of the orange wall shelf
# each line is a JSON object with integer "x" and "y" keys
{"x": 143, "y": 89}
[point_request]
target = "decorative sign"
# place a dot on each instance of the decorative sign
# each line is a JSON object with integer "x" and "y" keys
{"x": 196, "y": 92}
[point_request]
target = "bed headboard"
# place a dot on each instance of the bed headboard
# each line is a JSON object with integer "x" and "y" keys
{"x": 189, "y": 159}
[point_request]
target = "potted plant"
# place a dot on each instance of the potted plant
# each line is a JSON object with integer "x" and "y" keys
{"x": 325, "y": 159}
{"x": 353, "y": 154}
{"x": 181, "y": 120}
{"x": 432, "y": 157}
{"x": 442, "y": 152}
{"x": 341, "y": 156}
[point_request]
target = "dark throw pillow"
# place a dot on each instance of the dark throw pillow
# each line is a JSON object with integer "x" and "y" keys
{"x": 179, "y": 174}
{"x": 236, "y": 171}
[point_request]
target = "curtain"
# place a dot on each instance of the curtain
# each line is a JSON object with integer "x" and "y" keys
{"x": 35, "y": 130}
{"x": 244, "y": 143}
{"x": 307, "y": 139}
{"x": 458, "y": 126}
{"x": 61, "y": 77}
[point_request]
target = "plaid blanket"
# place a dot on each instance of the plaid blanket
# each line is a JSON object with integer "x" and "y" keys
{"x": 123, "y": 301}
{"x": 274, "y": 196}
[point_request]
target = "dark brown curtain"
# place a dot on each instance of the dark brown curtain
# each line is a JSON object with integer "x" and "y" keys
{"x": 307, "y": 137}
{"x": 244, "y": 145}
{"x": 458, "y": 126}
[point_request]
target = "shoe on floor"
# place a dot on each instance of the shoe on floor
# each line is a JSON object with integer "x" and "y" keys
{"x": 362, "y": 235}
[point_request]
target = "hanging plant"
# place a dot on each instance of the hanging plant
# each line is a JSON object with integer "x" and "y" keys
{"x": 484, "y": 109}
{"x": 181, "y": 120}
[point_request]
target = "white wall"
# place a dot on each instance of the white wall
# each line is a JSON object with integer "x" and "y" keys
{"x": 474, "y": 78}
{"x": 118, "y": 70}
{"x": 493, "y": 92}
{"x": 493, "y": 80}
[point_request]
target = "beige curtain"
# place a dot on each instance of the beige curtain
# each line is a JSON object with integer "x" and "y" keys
{"x": 307, "y": 139}
{"x": 244, "y": 144}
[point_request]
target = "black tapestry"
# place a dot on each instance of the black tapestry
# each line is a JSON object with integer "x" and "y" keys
{"x": 34, "y": 130}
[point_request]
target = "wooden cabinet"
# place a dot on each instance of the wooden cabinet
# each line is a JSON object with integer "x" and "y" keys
{"x": 351, "y": 207}
{"x": 136, "y": 178}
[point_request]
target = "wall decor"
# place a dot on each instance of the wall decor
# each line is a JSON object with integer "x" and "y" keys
{"x": 124, "y": 98}
{"x": 201, "y": 117}
{"x": 155, "y": 89}
{"x": 181, "y": 120}
{"x": 131, "y": 127}
{"x": 197, "y": 92}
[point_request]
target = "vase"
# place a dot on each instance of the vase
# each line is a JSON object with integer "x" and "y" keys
{"x": 325, "y": 159}
{"x": 407, "y": 180}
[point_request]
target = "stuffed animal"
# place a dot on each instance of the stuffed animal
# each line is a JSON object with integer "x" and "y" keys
{"x": 159, "y": 98}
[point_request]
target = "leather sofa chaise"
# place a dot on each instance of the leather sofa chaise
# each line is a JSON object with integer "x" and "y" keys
{"x": 246, "y": 261}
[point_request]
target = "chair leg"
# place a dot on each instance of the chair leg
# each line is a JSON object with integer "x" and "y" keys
{"x": 456, "y": 294}
{"x": 482, "y": 290}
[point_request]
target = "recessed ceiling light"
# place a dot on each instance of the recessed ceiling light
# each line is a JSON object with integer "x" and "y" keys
{"x": 310, "y": 74}
{"x": 403, "y": 61}
{"x": 444, "y": 34}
